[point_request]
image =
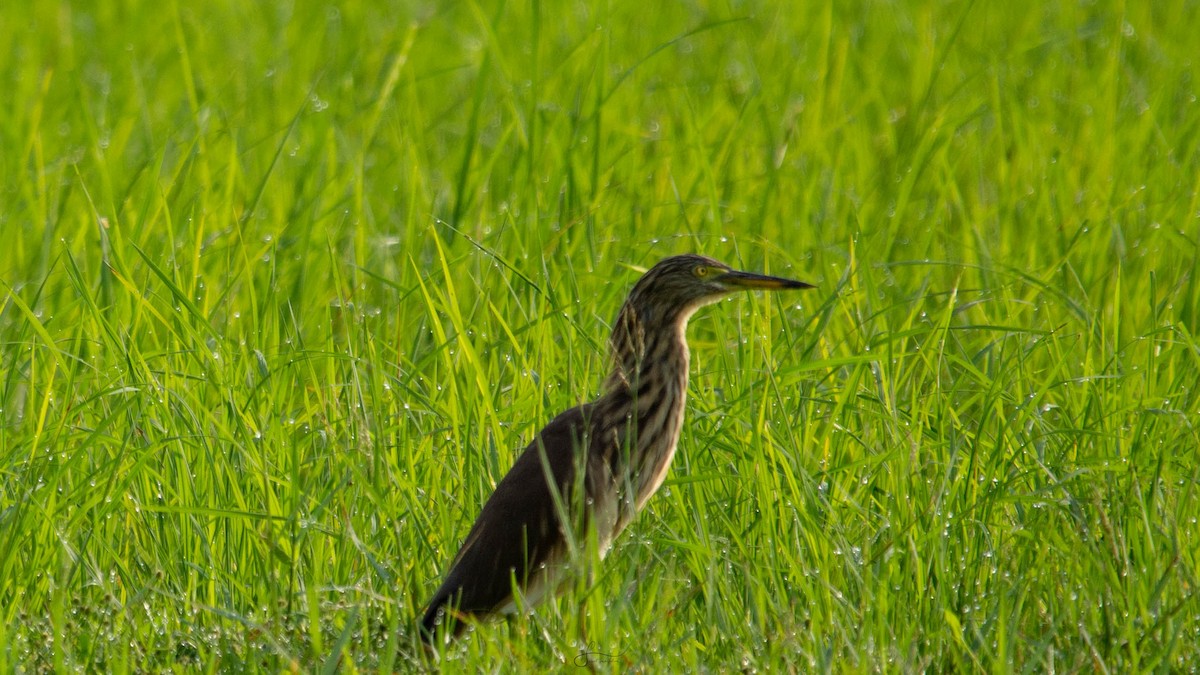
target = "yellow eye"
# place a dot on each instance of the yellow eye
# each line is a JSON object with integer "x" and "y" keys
{"x": 700, "y": 271}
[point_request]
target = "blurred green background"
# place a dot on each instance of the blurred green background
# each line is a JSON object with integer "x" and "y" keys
{"x": 285, "y": 287}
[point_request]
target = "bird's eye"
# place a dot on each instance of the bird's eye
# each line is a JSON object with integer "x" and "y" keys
{"x": 700, "y": 271}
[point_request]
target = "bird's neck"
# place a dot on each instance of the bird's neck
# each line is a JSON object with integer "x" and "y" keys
{"x": 646, "y": 390}
{"x": 649, "y": 353}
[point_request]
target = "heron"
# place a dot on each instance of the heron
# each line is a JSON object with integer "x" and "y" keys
{"x": 593, "y": 467}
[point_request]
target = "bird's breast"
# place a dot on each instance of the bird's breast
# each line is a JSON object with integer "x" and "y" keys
{"x": 639, "y": 421}
{"x": 657, "y": 470}
{"x": 659, "y": 428}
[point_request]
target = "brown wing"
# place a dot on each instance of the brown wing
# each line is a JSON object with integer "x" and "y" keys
{"x": 517, "y": 530}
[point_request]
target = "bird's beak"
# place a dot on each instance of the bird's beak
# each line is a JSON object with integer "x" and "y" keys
{"x": 748, "y": 280}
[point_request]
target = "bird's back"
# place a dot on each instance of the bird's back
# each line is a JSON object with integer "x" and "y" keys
{"x": 519, "y": 537}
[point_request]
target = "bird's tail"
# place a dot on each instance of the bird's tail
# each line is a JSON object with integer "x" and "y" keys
{"x": 440, "y": 612}
{"x": 429, "y": 622}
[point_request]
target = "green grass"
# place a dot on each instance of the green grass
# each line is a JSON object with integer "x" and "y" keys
{"x": 285, "y": 288}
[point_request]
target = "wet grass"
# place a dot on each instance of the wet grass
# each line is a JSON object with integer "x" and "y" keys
{"x": 285, "y": 288}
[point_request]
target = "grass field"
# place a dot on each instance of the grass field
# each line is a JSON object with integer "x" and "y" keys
{"x": 284, "y": 289}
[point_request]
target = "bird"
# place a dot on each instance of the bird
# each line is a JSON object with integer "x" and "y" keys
{"x": 593, "y": 467}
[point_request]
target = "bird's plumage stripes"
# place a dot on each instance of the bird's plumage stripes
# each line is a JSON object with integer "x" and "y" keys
{"x": 623, "y": 442}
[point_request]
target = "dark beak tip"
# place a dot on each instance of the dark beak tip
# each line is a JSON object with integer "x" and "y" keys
{"x": 795, "y": 286}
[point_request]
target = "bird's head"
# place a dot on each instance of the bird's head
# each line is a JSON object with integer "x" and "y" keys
{"x": 677, "y": 286}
